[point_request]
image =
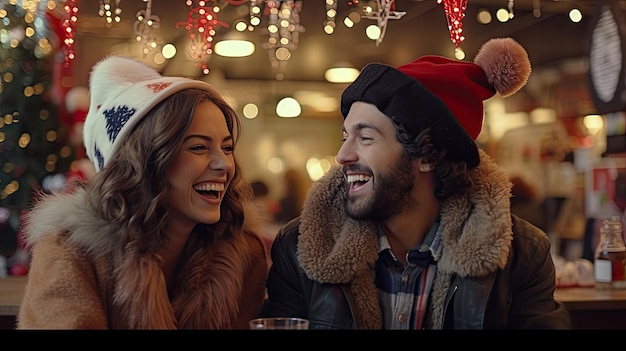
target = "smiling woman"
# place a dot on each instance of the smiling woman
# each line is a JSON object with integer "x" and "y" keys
{"x": 165, "y": 233}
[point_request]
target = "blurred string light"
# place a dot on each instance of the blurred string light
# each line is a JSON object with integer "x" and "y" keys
{"x": 341, "y": 72}
{"x": 31, "y": 31}
{"x": 502, "y": 15}
{"x": 288, "y": 107}
{"x": 144, "y": 24}
{"x": 283, "y": 24}
{"x": 201, "y": 25}
{"x": 352, "y": 18}
{"x": 483, "y": 16}
{"x": 111, "y": 11}
{"x": 234, "y": 44}
{"x": 385, "y": 10}
{"x": 168, "y": 51}
{"x": 455, "y": 12}
{"x": 275, "y": 165}
{"x": 32, "y": 147}
{"x": 283, "y": 28}
{"x": 331, "y": 15}
{"x": 316, "y": 167}
{"x": 250, "y": 111}
{"x": 575, "y": 15}
{"x": 537, "y": 8}
{"x": 68, "y": 23}
{"x": 459, "y": 54}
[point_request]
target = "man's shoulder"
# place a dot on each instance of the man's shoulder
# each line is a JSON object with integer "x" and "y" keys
{"x": 292, "y": 225}
{"x": 527, "y": 234}
{"x": 289, "y": 231}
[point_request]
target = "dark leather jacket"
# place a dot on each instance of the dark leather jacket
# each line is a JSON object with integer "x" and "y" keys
{"x": 495, "y": 269}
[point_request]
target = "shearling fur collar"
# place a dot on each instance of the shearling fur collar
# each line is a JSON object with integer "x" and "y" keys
{"x": 69, "y": 212}
{"x": 213, "y": 279}
{"x": 476, "y": 235}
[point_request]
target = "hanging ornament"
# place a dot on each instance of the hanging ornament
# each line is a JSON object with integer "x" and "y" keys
{"x": 283, "y": 28}
{"x": 284, "y": 32}
{"x": 143, "y": 26}
{"x": 455, "y": 12}
{"x": 69, "y": 24}
{"x": 331, "y": 15}
{"x": 111, "y": 11}
{"x": 386, "y": 10}
{"x": 201, "y": 26}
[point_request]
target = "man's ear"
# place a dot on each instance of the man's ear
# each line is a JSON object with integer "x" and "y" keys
{"x": 425, "y": 167}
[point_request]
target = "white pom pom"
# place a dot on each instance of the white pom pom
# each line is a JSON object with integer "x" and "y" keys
{"x": 77, "y": 99}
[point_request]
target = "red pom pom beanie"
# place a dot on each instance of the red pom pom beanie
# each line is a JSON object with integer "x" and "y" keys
{"x": 442, "y": 94}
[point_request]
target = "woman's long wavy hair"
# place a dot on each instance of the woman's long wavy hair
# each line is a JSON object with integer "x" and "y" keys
{"x": 130, "y": 191}
{"x": 451, "y": 177}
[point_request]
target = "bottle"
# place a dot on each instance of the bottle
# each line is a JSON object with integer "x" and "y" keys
{"x": 607, "y": 209}
{"x": 610, "y": 259}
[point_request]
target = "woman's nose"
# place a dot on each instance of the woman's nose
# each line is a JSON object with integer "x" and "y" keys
{"x": 220, "y": 161}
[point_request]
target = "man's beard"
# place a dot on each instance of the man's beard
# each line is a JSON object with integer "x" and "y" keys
{"x": 390, "y": 193}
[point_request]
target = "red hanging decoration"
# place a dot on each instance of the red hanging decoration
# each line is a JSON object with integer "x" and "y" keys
{"x": 201, "y": 26}
{"x": 455, "y": 12}
{"x": 69, "y": 25}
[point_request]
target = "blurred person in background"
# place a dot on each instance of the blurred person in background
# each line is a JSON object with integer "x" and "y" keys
{"x": 268, "y": 207}
{"x": 290, "y": 205}
{"x": 413, "y": 230}
{"x": 164, "y": 235}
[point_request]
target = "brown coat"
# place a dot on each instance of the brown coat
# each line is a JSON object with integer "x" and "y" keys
{"x": 76, "y": 281}
{"x": 494, "y": 271}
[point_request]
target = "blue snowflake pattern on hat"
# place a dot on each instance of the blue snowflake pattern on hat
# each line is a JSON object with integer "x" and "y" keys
{"x": 99, "y": 157}
{"x": 116, "y": 118}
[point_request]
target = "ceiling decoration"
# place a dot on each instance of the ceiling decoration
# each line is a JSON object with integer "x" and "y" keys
{"x": 111, "y": 11}
{"x": 201, "y": 26}
{"x": 143, "y": 28}
{"x": 68, "y": 20}
{"x": 324, "y": 32}
{"x": 385, "y": 10}
{"x": 455, "y": 12}
{"x": 283, "y": 28}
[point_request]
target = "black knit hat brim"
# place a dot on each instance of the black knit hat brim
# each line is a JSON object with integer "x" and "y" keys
{"x": 407, "y": 102}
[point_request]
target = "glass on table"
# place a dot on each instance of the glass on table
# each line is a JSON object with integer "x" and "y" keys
{"x": 279, "y": 323}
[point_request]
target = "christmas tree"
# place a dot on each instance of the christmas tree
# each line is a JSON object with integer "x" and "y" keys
{"x": 34, "y": 149}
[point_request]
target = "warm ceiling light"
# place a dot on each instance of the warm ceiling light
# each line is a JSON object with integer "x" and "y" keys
{"x": 503, "y": 15}
{"x": 234, "y": 48}
{"x": 288, "y": 107}
{"x": 234, "y": 44}
{"x": 168, "y": 51}
{"x": 341, "y": 74}
{"x": 373, "y": 32}
{"x": 459, "y": 54}
{"x": 483, "y": 16}
{"x": 575, "y": 15}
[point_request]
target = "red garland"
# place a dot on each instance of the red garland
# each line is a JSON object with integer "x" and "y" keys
{"x": 68, "y": 22}
{"x": 455, "y": 12}
{"x": 201, "y": 26}
{"x": 63, "y": 25}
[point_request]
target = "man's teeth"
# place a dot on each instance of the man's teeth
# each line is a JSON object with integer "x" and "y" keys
{"x": 358, "y": 178}
{"x": 210, "y": 187}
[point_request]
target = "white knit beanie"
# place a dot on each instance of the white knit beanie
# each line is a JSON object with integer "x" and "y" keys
{"x": 122, "y": 91}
